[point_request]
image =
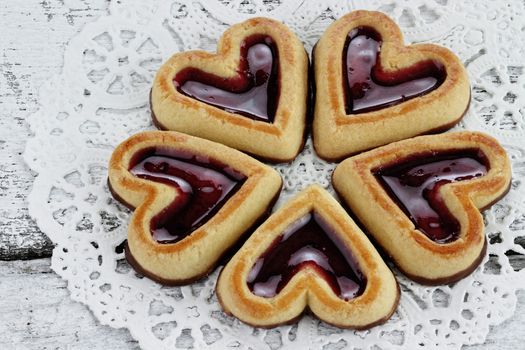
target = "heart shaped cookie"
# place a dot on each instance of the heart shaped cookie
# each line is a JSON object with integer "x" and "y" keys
{"x": 194, "y": 199}
{"x": 421, "y": 198}
{"x": 251, "y": 95}
{"x": 372, "y": 90}
{"x": 308, "y": 254}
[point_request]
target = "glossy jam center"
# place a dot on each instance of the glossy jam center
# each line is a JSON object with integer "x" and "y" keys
{"x": 369, "y": 88}
{"x": 307, "y": 242}
{"x": 202, "y": 185}
{"x": 414, "y": 184}
{"x": 253, "y": 92}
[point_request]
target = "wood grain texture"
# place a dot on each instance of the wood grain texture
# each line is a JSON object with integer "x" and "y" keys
{"x": 37, "y": 312}
{"x": 34, "y": 34}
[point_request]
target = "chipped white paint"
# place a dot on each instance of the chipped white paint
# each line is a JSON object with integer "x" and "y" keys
{"x": 37, "y": 313}
{"x": 32, "y": 39}
{"x": 36, "y": 310}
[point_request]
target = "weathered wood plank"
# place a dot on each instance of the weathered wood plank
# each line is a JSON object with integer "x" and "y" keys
{"x": 34, "y": 34}
{"x": 37, "y": 313}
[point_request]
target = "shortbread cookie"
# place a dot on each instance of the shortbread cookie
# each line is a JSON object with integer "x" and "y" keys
{"x": 420, "y": 199}
{"x": 308, "y": 254}
{"x": 194, "y": 199}
{"x": 373, "y": 90}
{"x": 251, "y": 95}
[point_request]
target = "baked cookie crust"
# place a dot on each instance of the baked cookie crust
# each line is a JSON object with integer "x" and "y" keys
{"x": 199, "y": 252}
{"x": 415, "y": 254}
{"x": 279, "y": 141}
{"x": 337, "y": 134}
{"x": 307, "y": 289}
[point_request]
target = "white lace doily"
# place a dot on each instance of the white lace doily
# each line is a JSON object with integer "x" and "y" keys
{"x": 101, "y": 98}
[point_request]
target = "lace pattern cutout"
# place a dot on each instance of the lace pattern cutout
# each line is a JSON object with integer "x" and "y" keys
{"x": 101, "y": 98}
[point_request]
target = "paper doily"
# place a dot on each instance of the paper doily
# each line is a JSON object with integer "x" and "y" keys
{"x": 101, "y": 98}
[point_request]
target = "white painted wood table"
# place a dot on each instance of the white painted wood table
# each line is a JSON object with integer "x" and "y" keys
{"x": 35, "y": 309}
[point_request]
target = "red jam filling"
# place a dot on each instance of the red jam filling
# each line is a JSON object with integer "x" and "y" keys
{"x": 253, "y": 92}
{"x": 368, "y": 87}
{"x": 414, "y": 184}
{"x": 308, "y": 242}
{"x": 204, "y": 185}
